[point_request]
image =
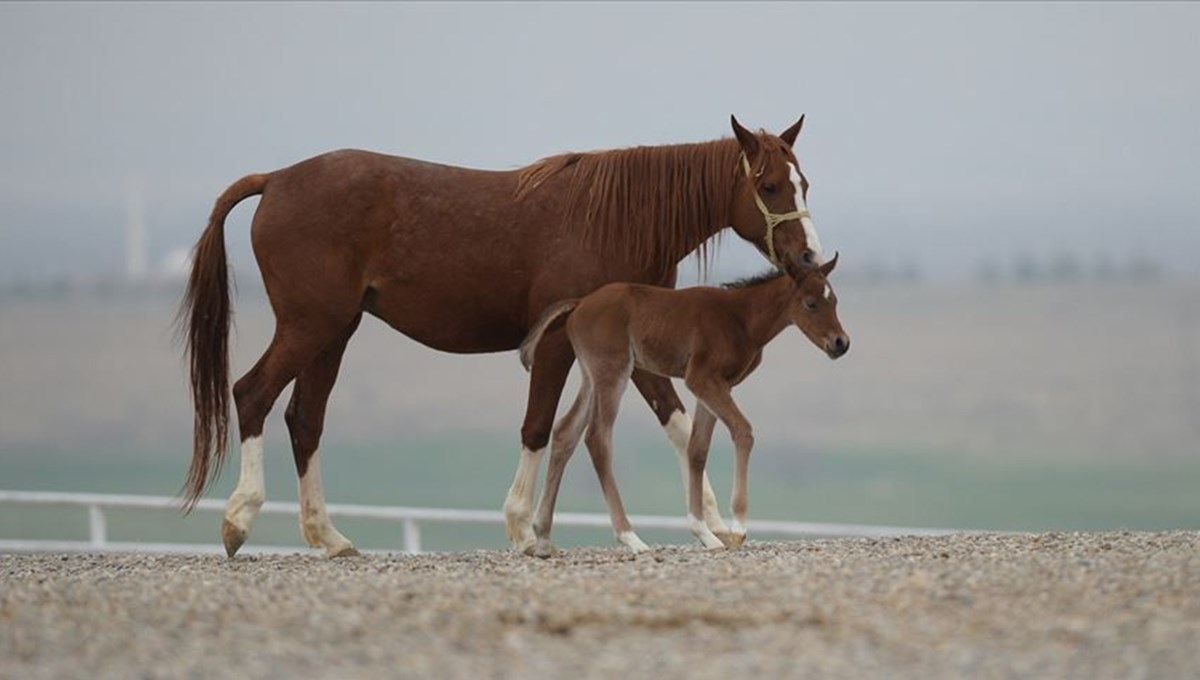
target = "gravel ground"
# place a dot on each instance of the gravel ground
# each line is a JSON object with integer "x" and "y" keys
{"x": 1089, "y": 605}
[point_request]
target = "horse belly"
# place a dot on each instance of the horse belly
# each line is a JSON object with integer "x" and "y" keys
{"x": 447, "y": 322}
{"x": 667, "y": 362}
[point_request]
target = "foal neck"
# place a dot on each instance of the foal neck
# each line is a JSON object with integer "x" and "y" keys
{"x": 763, "y": 307}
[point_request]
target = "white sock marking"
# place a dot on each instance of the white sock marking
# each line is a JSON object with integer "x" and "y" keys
{"x": 518, "y": 505}
{"x": 315, "y": 524}
{"x": 701, "y": 531}
{"x": 248, "y": 496}
{"x": 736, "y": 527}
{"x": 631, "y": 540}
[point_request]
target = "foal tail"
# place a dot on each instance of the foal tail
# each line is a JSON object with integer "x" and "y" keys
{"x": 203, "y": 322}
{"x": 530, "y": 343}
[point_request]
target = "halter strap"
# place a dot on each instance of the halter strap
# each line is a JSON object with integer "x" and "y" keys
{"x": 772, "y": 219}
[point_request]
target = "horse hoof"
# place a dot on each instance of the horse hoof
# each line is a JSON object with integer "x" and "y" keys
{"x": 542, "y": 551}
{"x": 736, "y": 541}
{"x": 725, "y": 537}
{"x": 232, "y": 537}
{"x": 348, "y": 551}
{"x": 524, "y": 546}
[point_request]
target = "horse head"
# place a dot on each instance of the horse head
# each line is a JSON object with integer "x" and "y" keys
{"x": 814, "y": 310}
{"x": 770, "y": 200}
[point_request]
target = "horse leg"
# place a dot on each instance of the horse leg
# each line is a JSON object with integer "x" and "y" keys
{"x": 292, "y": 348}
{"x": 697, "y": 458}
{"x": 566, "y": 438}
{"x": 551, "y": 364}
{"x": 305, "y": 417}
{"x": 609, "y": 385}
{"x": 664, "y": 401}
{"x": 714, "y": 395}
{"x": 697, "y": 450}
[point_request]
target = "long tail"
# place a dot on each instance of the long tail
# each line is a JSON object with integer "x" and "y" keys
{"x": 530, "y": 343}
{"x": 203, "y": 322}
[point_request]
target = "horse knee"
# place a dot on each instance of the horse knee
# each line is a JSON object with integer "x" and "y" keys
{"x": 594, "y": 438}
{"x": 744, "y": 440}
{"x": 250, "y": 410}
{"x": 535, "y": 436}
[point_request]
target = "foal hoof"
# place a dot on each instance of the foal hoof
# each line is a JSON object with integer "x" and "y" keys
{"x": 542, "y": 550}
{"x": 725, "y": 537}
{"x": 348, "y": 551}
{"x": 232, "y": 537}
{"x": 736, "y": 541}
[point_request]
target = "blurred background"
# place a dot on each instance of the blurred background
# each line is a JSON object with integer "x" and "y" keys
{"x": 1012, "y": 188}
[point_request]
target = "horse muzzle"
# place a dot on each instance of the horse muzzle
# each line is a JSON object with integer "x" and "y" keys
{"x": 837, "y": 345}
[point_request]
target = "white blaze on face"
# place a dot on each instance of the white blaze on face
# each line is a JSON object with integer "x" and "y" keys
{"x": 810, "y": 232}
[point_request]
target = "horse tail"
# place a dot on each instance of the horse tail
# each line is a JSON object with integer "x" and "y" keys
{"x": 530, "y": 343}
{"x": 203, "y": 322}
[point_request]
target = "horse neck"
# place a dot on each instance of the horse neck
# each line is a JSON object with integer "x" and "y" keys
{"x": 764, "y": 308}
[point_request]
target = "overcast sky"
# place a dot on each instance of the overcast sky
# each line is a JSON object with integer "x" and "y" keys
{"x": 941, "y": 132}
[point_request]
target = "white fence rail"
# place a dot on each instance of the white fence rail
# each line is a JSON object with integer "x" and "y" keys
{"x": 408, "y": 518}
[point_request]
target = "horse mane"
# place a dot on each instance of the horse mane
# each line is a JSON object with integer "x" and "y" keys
{"x": 755, "y": 280}
{"x": 650, "y": 204}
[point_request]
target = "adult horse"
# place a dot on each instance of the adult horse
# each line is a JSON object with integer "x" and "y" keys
{"x": 461, "y": 260}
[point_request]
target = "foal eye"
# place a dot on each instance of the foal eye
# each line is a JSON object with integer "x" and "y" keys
{"x": 810, "y": 304}
{"x": 770, "y": 189}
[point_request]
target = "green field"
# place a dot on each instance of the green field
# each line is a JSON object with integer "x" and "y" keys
{"x": 893, "y": 488}
{"x": 1013, "y": 408}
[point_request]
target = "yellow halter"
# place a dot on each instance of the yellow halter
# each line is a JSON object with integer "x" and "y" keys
{"x": 772, "y": 219}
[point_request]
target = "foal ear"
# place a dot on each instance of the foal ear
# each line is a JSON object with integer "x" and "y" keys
{"x": 746, "y": 138}
{"x": 827, "y": 268}
{"x": 789, "y": 135}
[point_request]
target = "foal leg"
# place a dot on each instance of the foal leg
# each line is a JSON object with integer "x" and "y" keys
{"x": 697, "y": 456}
{"x": 305, "y": 417}
{"x": 551, "y": 364}
{"x": 715, "y": 396}
{"x": 566, "y": 437}
{"x": 292, "y": 348}
{"x": 608, "y": 386}
{"x": 664, "y": 401}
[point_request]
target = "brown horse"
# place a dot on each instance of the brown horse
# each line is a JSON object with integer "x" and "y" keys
{"x": 711, "y": 338}
{"x": 460, "y": 260}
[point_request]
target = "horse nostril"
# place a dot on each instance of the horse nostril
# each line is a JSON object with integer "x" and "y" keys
{"x": 841, "y": 344}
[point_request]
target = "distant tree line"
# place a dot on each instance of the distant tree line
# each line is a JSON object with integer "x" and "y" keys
{"x": 1064, "y": 267}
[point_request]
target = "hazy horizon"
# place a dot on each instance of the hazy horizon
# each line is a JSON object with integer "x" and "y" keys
{"x": 941, "y": 134}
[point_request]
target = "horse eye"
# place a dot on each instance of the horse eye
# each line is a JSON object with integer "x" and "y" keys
{"x": 770, "y": 189}
{"x": 810, "y": 304}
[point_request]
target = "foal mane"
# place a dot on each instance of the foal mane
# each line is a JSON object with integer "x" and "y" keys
{"x": 650, "y": 204}
{"x": 755, "y": 280}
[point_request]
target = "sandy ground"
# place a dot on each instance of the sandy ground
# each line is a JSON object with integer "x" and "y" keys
{"x": 1096, "y": 605}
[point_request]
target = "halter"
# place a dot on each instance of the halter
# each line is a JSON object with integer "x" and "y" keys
{"x": 772, "y": 219}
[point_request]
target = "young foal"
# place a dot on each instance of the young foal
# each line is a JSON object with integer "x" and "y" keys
{"x": 712, "y": 338}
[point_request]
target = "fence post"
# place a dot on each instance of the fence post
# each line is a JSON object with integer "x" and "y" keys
{"x": 412, "y": 537}
{"x": 98, "y": 531}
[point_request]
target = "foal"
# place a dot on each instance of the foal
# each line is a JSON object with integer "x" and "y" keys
{"x": 712, "y": 338}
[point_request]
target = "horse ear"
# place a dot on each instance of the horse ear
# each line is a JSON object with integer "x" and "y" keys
{"x": 827, "y": 268}
{"x": 789, "y": 135}
{"x": 746, "y": 138}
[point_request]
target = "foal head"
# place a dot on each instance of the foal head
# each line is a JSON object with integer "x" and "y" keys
{"x": 770, "y": 206}
{"x": 814, "y": 311}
